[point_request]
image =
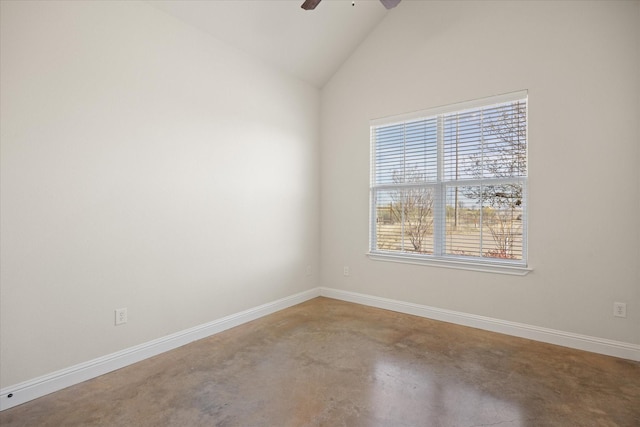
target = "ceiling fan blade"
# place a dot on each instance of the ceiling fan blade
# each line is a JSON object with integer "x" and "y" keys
{"x": 310, "y": 4}
{"x": 389, "y": 4}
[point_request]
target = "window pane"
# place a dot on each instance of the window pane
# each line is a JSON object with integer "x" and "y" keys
{"x": 421, "y": 151}
{"x": 389, "y": 162}
{"x": 463, "y": 228}
{"x": 503, "y": 215}
{"x": 406, "y": 152}
{"x": 486, "y": 143}
{"x": 417, "y": 210}
{"x": 487, "y": 221}
{"x": 462, "y": 146}
{"x": 505, "y": 147}
{"x": 388, "y": 221}
{"x": 404, "y": 220}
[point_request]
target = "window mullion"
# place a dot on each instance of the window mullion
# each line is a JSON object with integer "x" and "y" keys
{"x": 439, "y": 208}
{"x": 373, "y": 195}
{"x": 481, "y": 218}
{"x": 373, "y": 222}
{"x": 404, "y": 181}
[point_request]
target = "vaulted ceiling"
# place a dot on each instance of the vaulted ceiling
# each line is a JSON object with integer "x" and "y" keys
{"x": 309, "y": 45}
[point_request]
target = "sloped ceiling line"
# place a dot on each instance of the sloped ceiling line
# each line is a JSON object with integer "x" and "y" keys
{"x": 308, "y": 46}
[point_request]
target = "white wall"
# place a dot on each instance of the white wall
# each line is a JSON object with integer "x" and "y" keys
{"x": 132, "y": 174}
{"x": 144, "y": 165}
{"x": 580, "y": 62}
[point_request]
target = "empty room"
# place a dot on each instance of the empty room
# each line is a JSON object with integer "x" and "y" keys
{"x": 320, "y": 213}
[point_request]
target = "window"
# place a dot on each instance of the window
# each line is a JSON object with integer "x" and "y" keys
{"x": 449, "y": 185}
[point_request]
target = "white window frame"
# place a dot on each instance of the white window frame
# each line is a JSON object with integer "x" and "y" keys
{"x": 438, "y": 259}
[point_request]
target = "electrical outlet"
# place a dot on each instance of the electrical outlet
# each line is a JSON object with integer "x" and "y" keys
{"x": 121, "y": 316}
{"x": 346, "y": 270}
{"x": 619, "y": 309}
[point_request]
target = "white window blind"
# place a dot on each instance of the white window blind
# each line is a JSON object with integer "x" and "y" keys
{"x": 450, "y": 183}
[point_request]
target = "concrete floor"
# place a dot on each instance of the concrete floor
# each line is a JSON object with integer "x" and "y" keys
{"x": 332, "y": 363}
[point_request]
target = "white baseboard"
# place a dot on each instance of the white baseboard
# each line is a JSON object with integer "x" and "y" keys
{"x": 41, "y": 386}
{"x": 38, "y": 387}
{"x": 566, "y": 339}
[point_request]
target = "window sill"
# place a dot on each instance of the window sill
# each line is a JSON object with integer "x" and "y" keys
{"x": 486, "y": 267}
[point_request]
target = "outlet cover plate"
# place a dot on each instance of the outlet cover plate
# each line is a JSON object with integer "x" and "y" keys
{"x": 619, "y": 309}
{"x": 121, "y": 316}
